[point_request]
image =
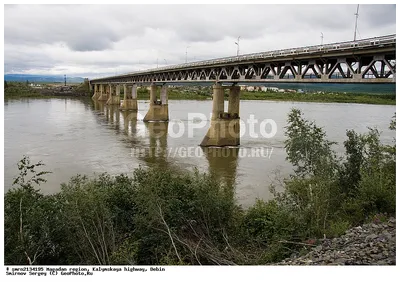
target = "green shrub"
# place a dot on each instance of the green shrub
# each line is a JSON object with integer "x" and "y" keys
{"x": 350, "y": 174}
{"x": 330, "y": 195}
{"x": 89, "y": 224}
{"x": 179, "y": 212}
{"x": 27, "y": 217}
{"x": 307, "y": 147}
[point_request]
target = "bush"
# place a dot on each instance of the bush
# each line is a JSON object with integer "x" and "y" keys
{"x": 314, "y": 190}
{"x": 331, "y": 195}
{"x": 27, "y": 216}
{"x": 178, "y": 213}
{"x": 307, "y": 147}
{"x": 272, "y": 226}
{"x": 156, "y": 216}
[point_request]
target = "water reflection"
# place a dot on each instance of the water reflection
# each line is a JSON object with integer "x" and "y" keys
{"x": 157, "y": 152}
{"x": 98, "y": 106}
{"x": 148, "y": 142}
{"x": 223, "y": 163}
{"x": 113, "y": 114}
{"x": 130, "y": 123}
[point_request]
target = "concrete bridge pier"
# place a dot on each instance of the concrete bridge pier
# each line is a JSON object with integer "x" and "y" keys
{"x": 103, "y": 94}
{"x": 114, "y": 98}
{"x": 96, "y": 92}
{"x": 158, "y": 110}
{"x": 130, "y": 100}
{"x": 225, "y": 126}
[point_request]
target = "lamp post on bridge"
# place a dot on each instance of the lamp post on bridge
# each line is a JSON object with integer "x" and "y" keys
{"x": 237, "y": 43}
{"x": 322, "y": 38}
{"x": 355, "y": 27}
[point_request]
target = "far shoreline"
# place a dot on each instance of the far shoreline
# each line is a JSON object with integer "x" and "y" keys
{"x": 17, "y": 90}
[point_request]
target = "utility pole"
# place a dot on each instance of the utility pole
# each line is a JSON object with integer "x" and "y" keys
{"x": 237, "y": 43}
{"x": 355, "y": 27}
{"x": 65, "y": 80}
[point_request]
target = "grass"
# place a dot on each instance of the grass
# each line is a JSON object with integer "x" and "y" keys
{"x": 333, "y": 97}
{"x": 330, "y": 97}
{"x": 20, "y": 90}
{"x": 175, "y": 94}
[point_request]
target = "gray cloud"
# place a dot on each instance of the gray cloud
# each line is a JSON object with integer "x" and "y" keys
{"x": 377, "y": 15}
{"x": 36, "y": 24}
{"x": 108, "y": 39}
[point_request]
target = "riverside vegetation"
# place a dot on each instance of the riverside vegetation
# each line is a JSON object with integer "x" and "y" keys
{"x": 23, "y": 90}
{"x": 15, "y": 90}
{"x": 170, "y": 217}
{"x": 203, "y": 93}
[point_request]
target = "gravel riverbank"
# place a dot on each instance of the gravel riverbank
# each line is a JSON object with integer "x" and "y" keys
{"x": 369, "y": 244}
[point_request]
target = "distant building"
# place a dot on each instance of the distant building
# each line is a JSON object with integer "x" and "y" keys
{"x": 273, "y": 89}
{"x": 35, "y": 85}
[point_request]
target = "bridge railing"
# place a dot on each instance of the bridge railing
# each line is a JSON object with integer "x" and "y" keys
{"x": 382, "y": 40}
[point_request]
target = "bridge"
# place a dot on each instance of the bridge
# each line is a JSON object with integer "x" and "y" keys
{"x": 371, "y": 60}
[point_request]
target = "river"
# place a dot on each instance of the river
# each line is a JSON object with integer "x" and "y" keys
{"x": 79, "y": 136}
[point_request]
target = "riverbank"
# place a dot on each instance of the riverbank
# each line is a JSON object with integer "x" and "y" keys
{"x": 320, "y": 97}
{"x": 16, "y": 90}
{"x": 328, "y": 97}
{"x": 369, "y": 244}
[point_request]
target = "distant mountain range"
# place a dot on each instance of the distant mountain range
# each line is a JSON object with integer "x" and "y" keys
{"x": 41, "y": 78}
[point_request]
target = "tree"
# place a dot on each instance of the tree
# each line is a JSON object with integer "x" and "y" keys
{"x": 27, "y": 219}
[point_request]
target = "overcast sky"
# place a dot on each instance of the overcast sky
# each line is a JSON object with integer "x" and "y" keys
{"x": 99, "y": 40}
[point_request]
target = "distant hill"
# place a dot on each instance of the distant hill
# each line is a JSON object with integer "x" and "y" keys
{"x": 41, "y": 78}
